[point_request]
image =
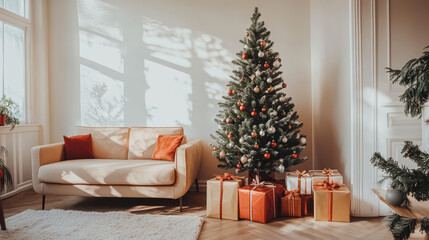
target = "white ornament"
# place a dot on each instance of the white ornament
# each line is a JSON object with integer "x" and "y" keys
{"x": 231, "y": 144}
{"x": 303, "y": 140}
{"x": 281, "y": 168}
{"x": 276, "y": 64}
{"x": 284, "y": 139}
{"x": 260, "y": 54}
{"x": 241, "y": 140}
{"x": 258, "y": 73}
{"x": 269, "y": 80}
{"x": 252, "y": 77}
{"x": 245, "y": 46}
{"x": 281, "y": 160}
{"x": 282, "y": 99}
{"x": 297, "y": 136}
{"x": 256, "y": 89}
{"x": 274, "y": 113}
{"x": 222, "y": 154}
{"x": 272, "y": 129}
{"x": 262, "y": 133}
{"x": 243, "y": 159}
{"x": 237, "y": 171}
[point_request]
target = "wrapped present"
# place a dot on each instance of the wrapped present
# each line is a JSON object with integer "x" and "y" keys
{"x": 331, "y": 202}
{"x": 329, "y": 175}
{"x": 306, "y": 204}
{"x": 291, "y": 204}
{"x": 300, "y": 180}
{"x": 222, "y": 196}
{"x": 259, "y": 201}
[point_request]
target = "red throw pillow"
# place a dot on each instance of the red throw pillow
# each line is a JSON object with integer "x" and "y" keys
{"x": 78, "y": 147}
{"x": 166, "y": 147}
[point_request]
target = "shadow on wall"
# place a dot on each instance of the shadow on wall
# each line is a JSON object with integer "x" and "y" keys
{"x": 136, "y": 71}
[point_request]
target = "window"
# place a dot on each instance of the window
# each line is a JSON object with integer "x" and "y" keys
{"x": 14, "y": 25}
{"x": 20, "y": 7}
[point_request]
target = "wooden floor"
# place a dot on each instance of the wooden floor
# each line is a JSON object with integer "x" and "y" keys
{"x": 194, "y": 204}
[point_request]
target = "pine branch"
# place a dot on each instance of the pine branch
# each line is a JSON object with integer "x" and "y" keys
{"x": 400, "y": 227}
{"x": 413, "y": 152}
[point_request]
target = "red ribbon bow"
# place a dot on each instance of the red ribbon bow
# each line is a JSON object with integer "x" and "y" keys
{"x": 330, "y": 185}
{"x": 226, "y": 176}
{"x": 292, "y": 194}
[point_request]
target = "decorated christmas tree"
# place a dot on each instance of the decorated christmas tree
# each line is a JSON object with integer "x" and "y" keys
{"x": 408, "y": 182}
{"x": 258, "y": 127}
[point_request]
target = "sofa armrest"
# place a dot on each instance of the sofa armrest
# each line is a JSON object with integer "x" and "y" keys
{"x": 42, "y": 155}
{"x": 188, "y": 162}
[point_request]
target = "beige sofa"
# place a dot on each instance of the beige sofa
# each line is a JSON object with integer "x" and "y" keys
{"x": 121, "y": 166}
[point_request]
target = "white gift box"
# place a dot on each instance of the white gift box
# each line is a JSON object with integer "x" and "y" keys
{"x": 330, "y": 175}
{"x": 301, "y": 180}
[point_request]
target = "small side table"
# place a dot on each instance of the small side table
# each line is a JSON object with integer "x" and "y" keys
{"x": 2, "y": 220}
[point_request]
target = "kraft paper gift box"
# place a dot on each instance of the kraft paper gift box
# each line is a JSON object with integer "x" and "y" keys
{"x": 222, "y": 197}
{"x": 330, "y": 175}
{"x": 300, "y": 180}
{"x": 331, "y": 203}
{"x": 259, "y": 204}
{"x": 291, "y": 204}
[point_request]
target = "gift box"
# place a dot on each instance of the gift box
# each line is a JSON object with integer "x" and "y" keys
{"x": 222, "y": 196}
{"x": 300, "y": 180}
{"x": 306, "y": 204}
{"x": 331, "y": 202}
{"x": 291, "y": 204}
{"x": 259, "y": 202}
{"x": 329, "y": 175}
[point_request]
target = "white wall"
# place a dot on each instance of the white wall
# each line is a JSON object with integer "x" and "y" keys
{"x": 164, "y": 63}
{"x": 330, "y": 74}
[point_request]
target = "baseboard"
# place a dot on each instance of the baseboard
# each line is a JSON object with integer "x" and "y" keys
{"x": 19, "y": 188}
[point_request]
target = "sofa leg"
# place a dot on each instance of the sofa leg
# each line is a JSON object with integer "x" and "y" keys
{"x": 196, "y": 184}
{"x": 43, "y": 202}
{"x": 180, "y": 203}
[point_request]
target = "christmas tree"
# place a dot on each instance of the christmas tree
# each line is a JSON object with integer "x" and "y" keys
{"x": 409, "y": 182}
{"x": 258, "y": 128}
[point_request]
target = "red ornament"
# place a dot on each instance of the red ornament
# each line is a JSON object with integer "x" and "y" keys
{"x": 284, "y": 85}
{"x": 1, "y": 174}
{"x": 279, "y": 59}
{"x": 229, "y": 92}
{"x": 229, "y": 136}
{"x": 242, "y": 79}
{"x": 245, "y": 56}
{"x": 267, "y": 155}
{"x": 254, "y": 134}
{"x": 242, "y": 107}
{"x": 256, "y": 146}
{"x": 253, "y": 113}
{"x": 247, "y": 34}
{"x": 290, "y": 127}
{"x": 266, "y": 65}
{"x": 294, "y": 155}
{"x": 263, "y": 43}
{"x": 239, "y": 166}
{"x": 273, "y": 144}
{"x": 264, "y": 109}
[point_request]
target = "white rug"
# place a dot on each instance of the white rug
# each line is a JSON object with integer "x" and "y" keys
{"x": 67, "y": 224}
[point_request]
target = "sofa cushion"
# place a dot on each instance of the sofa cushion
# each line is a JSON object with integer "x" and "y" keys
{"x": 107, "y": 142}
{"x": 109, "y": 172}
{"x": 166, "y": 147}
{"x": 78, "y": 147}
{"x": 143, "y": 140}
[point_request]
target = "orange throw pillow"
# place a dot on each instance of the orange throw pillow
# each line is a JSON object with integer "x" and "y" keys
{"x": 78, "y": 147}
{"x": 166, "y": 147}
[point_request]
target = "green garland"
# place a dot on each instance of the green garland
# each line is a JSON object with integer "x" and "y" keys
{"x": 401, "y": 227}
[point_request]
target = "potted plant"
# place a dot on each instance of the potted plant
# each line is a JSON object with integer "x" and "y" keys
{"x": 8, "y": 110}
{"x": 5, "y": 181}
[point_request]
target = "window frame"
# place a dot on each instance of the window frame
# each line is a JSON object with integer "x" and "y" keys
{"x": 23, "y": 23}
